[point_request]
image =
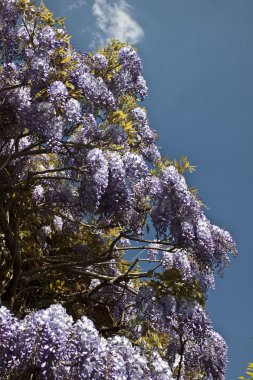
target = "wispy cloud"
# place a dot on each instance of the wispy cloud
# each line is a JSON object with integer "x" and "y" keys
{"x": 114, "y": 19}
{"x": 76, "y": 4}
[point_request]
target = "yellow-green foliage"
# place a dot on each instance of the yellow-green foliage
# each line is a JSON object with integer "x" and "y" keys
{"x": 249, "y": 372}
{"x": 182, "y": 165}
{"x": 111, "y": 52}
{"x": 171, "y": 282}
{"x": 153, "y": 339}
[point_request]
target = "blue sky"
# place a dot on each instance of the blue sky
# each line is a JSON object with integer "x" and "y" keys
{"x": 198, "y": 63}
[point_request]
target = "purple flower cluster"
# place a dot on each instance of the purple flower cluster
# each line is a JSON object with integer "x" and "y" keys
{"x": 130, "y": 60}
{"x": 8, "y": 334}
{"x": 145, "y": 133}
{"x": 57, "y": 90}
{"x": 73, "y": 110}
{"x": 93, "y": 88}
{"x": 185, "y": 263}
{"x": 176, "y": 210}
{"x": 38, "y": 193}
{"x": 211, "y": 354}
{"x": 139, "y": 115}
{"x": 179, "y": 260}
{"x": 96, "y": 181}
{"x": 49, "y": 343}
{"x": 128, "y": 80}
{"x": 47, "y": 39}
{"x": 135, "y": 166}
{"x": 187, "y": 323}
{"x": 9, "y": 14}
{"x": 99, "y": 61}
{"x": 116, "y": 202}
{"x": 151, "y": 153}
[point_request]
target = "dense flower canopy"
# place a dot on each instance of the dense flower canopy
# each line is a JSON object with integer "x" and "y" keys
{"x": 106, "y": 254}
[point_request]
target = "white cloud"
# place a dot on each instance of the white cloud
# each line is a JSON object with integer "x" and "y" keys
{"x": 76, "y": 5}
{"x": 114, "y": 20}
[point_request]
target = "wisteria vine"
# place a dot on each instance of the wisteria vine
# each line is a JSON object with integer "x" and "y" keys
{"x": 106, "y": 253}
